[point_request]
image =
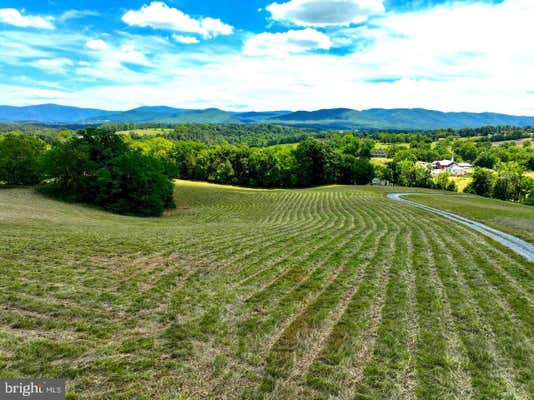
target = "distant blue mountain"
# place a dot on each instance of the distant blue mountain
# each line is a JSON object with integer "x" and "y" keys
{"x": 336, "y": 118}
{"x": 255, "y": 116}
{"x": 49, "y": 113}
{"x": 337, "y": 114}
{"x": 401, "y": 118}
{"x": 138, "y": 115}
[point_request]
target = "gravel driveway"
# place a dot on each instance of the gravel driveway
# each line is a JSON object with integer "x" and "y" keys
{"x": 519, "y": 246}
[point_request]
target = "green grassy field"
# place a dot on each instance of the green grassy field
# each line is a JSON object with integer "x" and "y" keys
{"x": 517, "y": 219}
{"x": 379, "y": 161}
{"x": 325, "y": 293}
{"x": 518, "y": 142}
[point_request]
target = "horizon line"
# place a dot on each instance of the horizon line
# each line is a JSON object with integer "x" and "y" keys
{"x": 264, "y": 111}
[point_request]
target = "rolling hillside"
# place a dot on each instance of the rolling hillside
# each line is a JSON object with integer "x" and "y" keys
{"x": 337, "y": 118}
{"x": 325, "y": 293}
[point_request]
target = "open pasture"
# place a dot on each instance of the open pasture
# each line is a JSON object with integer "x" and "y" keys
{"x": 326, "y": 293}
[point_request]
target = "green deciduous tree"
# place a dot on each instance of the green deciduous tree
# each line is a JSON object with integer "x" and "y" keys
{"x": 314, "y": 163}
{"x": 409, "y": 173}
{"x": 98, "y": 167}
{"x": 529, "y": 200}
{"x": 444, "y": 182}
{"x": 21, "y": 159}
{"x": 486, "y": 159}
{"x": 483, "y": 182}
{"x": 135, "y": 184}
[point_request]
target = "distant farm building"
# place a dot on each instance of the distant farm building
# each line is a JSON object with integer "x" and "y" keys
{"x": 380, "y": 153}
{"x": 452, "y": 167}
{"x": 456, "y": 170}
{"x": 443, "y": 164}
{"x": 379, "y": 182}
{"x": 465, "y": 165}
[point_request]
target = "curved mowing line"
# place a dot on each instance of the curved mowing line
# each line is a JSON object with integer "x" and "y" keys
{"x": 336, "y": 296}
{"x": 489, "y": 370}
{"x": 304, "y": 231}
{"x": 290, "y": 255}
{"x": 519, "y": 246}
{"x": 313, "y": 295}
{"x": 433, "y": 342}
{"x": 511, "y": 326}
{"x": 270, "y": 250}
{"x": 337, "y": 367}
{"x": 457, "y": 380}
{"x": 229, "y": 242}
{"x": 304, "y": 291}
{"x": 513, "y": 298}
{"x": 299, "y": 271}
{"x": 308, "y": 203}
{"x": 386, "y": 373}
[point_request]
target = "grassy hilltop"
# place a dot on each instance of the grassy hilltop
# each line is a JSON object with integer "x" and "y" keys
{"x": 333, "y": 292}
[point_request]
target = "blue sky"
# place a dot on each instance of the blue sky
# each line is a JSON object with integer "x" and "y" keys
{"x": 264, "y": 55}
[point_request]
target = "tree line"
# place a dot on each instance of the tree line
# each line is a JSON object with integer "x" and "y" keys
{"x": 254, "y": 135}
{"x": 312, "y": 162}
{"x": 264, "y": 134}
{"x": 134, "y": 176}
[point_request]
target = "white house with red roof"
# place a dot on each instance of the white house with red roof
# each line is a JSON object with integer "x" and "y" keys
{"x": 444, "y": 164}
{"x": 451, "y": 166}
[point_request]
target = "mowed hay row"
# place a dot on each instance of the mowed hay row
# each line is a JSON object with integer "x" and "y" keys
{"x": 327, "y": 293}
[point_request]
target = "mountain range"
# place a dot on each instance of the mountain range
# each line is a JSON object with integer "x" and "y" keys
{"x": 337, "y": 118}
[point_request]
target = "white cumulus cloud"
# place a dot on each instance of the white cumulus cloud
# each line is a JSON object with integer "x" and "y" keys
{"x": 77, "y": 14}
{"x": 321, "y": 13}
{"x": 441, "y": 43}
{"x": 12, "y": 16}
{"x": 129, "y": 54}
{"x": 159, "y": 15}
{"x": 56, "y": 65}
{"x": 185, "y": 39}
{"x": 280, "y": 44}
{"x": 96, "y": 44}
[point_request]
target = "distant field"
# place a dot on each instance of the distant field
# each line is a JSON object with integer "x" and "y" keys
{"x": 145, "y": 132}
{"x": 386, "y": 146}
{"x": 518, "y": 142}
{"x": 327, "y": 293}
{"x": 461, "y": 182}
{"x": 516, "y": 219}
{"x": 379, "y": 161}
